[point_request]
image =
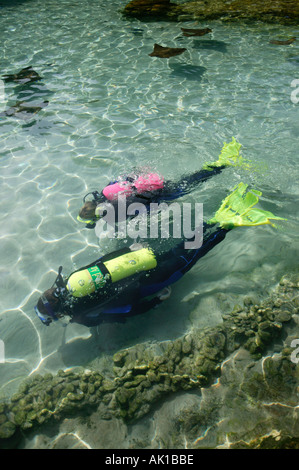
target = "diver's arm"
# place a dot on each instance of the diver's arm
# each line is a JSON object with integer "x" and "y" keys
{"x": 115, "y": 315}
{"x": 135, "y": 309}
{"x": 86, "y": 320}
{"x": 144, "y": 306}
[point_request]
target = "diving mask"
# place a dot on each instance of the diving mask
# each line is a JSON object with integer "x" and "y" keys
{"x": 47, "y": 318}
{"x": 50, "y": 315}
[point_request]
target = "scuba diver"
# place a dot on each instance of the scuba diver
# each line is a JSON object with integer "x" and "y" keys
{"x": 150, "y": 187}
{"x": 133, "y": 280}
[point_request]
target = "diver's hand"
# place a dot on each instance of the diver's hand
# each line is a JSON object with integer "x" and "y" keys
{"x": 164, "y": 294}
{"x": 136, "y": 246}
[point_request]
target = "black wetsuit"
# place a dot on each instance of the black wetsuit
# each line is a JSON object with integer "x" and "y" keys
{"x": 132, "y": 295}
{"x": 170, "y": 191}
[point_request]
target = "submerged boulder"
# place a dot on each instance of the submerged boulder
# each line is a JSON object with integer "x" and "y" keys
{"x": 144, "y": 9}
{"x": 145, "y": 374}
{"x": 273, "y": 11}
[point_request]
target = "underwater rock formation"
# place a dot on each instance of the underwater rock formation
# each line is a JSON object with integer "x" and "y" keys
{"x": 280, "y": 11}
{"x": 143, "y": 374}
{"x": 274, "y": 440}
{"x": 149, "y": 9}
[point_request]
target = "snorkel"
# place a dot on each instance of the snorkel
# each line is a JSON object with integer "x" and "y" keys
{"x": 46, "y": 319}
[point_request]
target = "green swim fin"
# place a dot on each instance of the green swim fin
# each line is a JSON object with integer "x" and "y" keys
{"x": 229, "y": 156}
{"x": 237, "y": 210}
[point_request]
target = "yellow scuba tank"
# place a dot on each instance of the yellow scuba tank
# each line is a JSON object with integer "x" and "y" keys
{"x": 130, "y": 263}
{"x": 87, "y": 281}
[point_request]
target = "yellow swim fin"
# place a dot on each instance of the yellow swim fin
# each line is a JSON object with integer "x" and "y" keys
{"x": 229, "y": 156}
{"x": 237, "y": 210}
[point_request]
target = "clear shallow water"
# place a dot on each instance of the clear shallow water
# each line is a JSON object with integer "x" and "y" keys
{"x": 112, "y": 108}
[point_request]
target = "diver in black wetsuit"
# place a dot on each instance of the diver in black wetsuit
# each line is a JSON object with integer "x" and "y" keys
{"x": 131, "y": 281}
{"x": 126, "y": 297}
{"x": 152, "y": 188}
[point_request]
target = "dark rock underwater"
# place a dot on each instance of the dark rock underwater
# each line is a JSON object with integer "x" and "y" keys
{"x": 270, "y": 11}
{"x": 144, "y": 375}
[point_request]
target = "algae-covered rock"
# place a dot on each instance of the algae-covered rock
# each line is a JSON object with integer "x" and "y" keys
{"x": 148, "y": 9}
{"x": 7, "y": 430}
{"x": 274, "y": 440}
{"x": 20, "y": 417}
{"x": 272, "y": 11}
{"x": 146, "y": 373}
{"x": 124, "y": 395}
{"x": 119, "y": 358}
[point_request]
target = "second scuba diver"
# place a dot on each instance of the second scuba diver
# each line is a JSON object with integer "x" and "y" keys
{"x": 133, "y": 280}
{"x": 150, "y": 187}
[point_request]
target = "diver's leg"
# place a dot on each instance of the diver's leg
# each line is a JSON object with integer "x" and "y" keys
{"x": 179, "y": 259}
{"x": 186, "y": 258}
{"x": 189, "y": 182}
{"x": 229, "y": 156}
{"x": 236, "y": 210}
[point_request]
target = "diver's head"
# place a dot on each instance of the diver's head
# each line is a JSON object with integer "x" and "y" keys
{"x": 87, "y": 211}
{"x": 48, "y": 305}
